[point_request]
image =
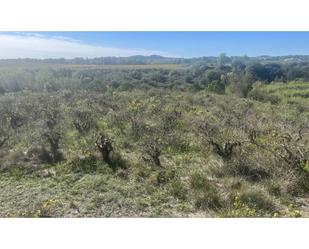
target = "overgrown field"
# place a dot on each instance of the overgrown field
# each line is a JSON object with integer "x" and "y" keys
{"x": 92, "y": 144}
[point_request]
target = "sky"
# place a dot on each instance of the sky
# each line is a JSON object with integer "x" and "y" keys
{"x": 171, "y": 44}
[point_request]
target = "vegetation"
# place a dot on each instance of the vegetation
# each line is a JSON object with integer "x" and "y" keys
{"x": 205, "y": 137}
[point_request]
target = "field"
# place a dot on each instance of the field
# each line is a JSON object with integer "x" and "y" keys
{"x": 144, "y": 141}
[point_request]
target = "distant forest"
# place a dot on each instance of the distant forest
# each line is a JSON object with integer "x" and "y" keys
{"x": 221, "y": 74}
{"x": 157, "y": 59}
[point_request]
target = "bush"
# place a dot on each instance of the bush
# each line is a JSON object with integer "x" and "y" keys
{"x": 165, "y": 176}
{"x": 205, "y": 194}
{"x": 3, "y": 138}
{"x": 86, "y": 164}
{"x": 257, "y": 93}
{"x": 154, "y": 151}
{"x": 257, "y": 199}
{"x": 240, "y": 210}
{"x": 216, "y": 87}
{"x": 141, "y": 172}
{"x": 84, "y": 121}
{"x": 118, "y": 162}
{"x": 178, "y": 189}
{"x": 53, "y": 139}
{"x": 105, "y": 146}
{"x": 245, "y": 168}
{"x": 44, "y": 209}
{"x": 274, "y": 188}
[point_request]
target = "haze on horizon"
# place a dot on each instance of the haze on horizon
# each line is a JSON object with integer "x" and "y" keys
{"x": 42, "y": 45}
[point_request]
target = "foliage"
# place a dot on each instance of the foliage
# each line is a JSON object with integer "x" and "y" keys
{"x": 205, "y": 193}
{"x": 209, "y": 137}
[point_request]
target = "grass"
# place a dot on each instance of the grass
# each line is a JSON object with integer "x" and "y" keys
{"x": 193, "y": 180}
{"x": 294, "y": 93}
{"x": 83, "y": 195}
{"x": 205, "y": 194}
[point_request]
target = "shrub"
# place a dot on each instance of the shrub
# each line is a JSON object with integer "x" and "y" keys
{"x": 240, "y": 210}
{"x": 216, "y": 87}
{"x": 198, "y": 181}
{"x": 293, "y": 212}
{"x": 44, "y": 209}
{"x": 256, "y": 199}
{"x": 245, "y": 167}
{"x": 138, "y": 128}
{"x": 3, "y": 138}
{"x": 154, "y": 151}
{"x": 141, "y": 172}
{"x": 118, "y": 162}
{"x": 204, "y": 192}
{"x": 223, "y": 139}
{"x": 258, "y": 94}
{"x": 83, "y": 121}
{"x": 16, "y": 119}
{"x": 87, "y": 164}
{"x": 16, "y": 171}
{"x": 165, "y": 176}
{"x": 274, "y": 187}
{"x": 178, "y": 189}
{"x": 55, "y": 155}
{"x": 104, "y": 144}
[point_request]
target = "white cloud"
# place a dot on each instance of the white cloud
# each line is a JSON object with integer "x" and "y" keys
{"x": 30, "y": 45}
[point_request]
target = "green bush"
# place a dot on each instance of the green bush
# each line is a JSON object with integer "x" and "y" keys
{"x": 205, "y": 194}
{"x": 178, "y": 189}
{"x": 257, "y": 93}
{"x": 165, "y": 175}
{"x": 87, "y": 164}
{"x": 257, "y": 199}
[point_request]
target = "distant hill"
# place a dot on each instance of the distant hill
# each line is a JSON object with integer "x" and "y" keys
{"x": 157, "y": 59}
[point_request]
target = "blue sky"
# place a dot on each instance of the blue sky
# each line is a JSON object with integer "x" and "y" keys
{"x": 175, "y": 44}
